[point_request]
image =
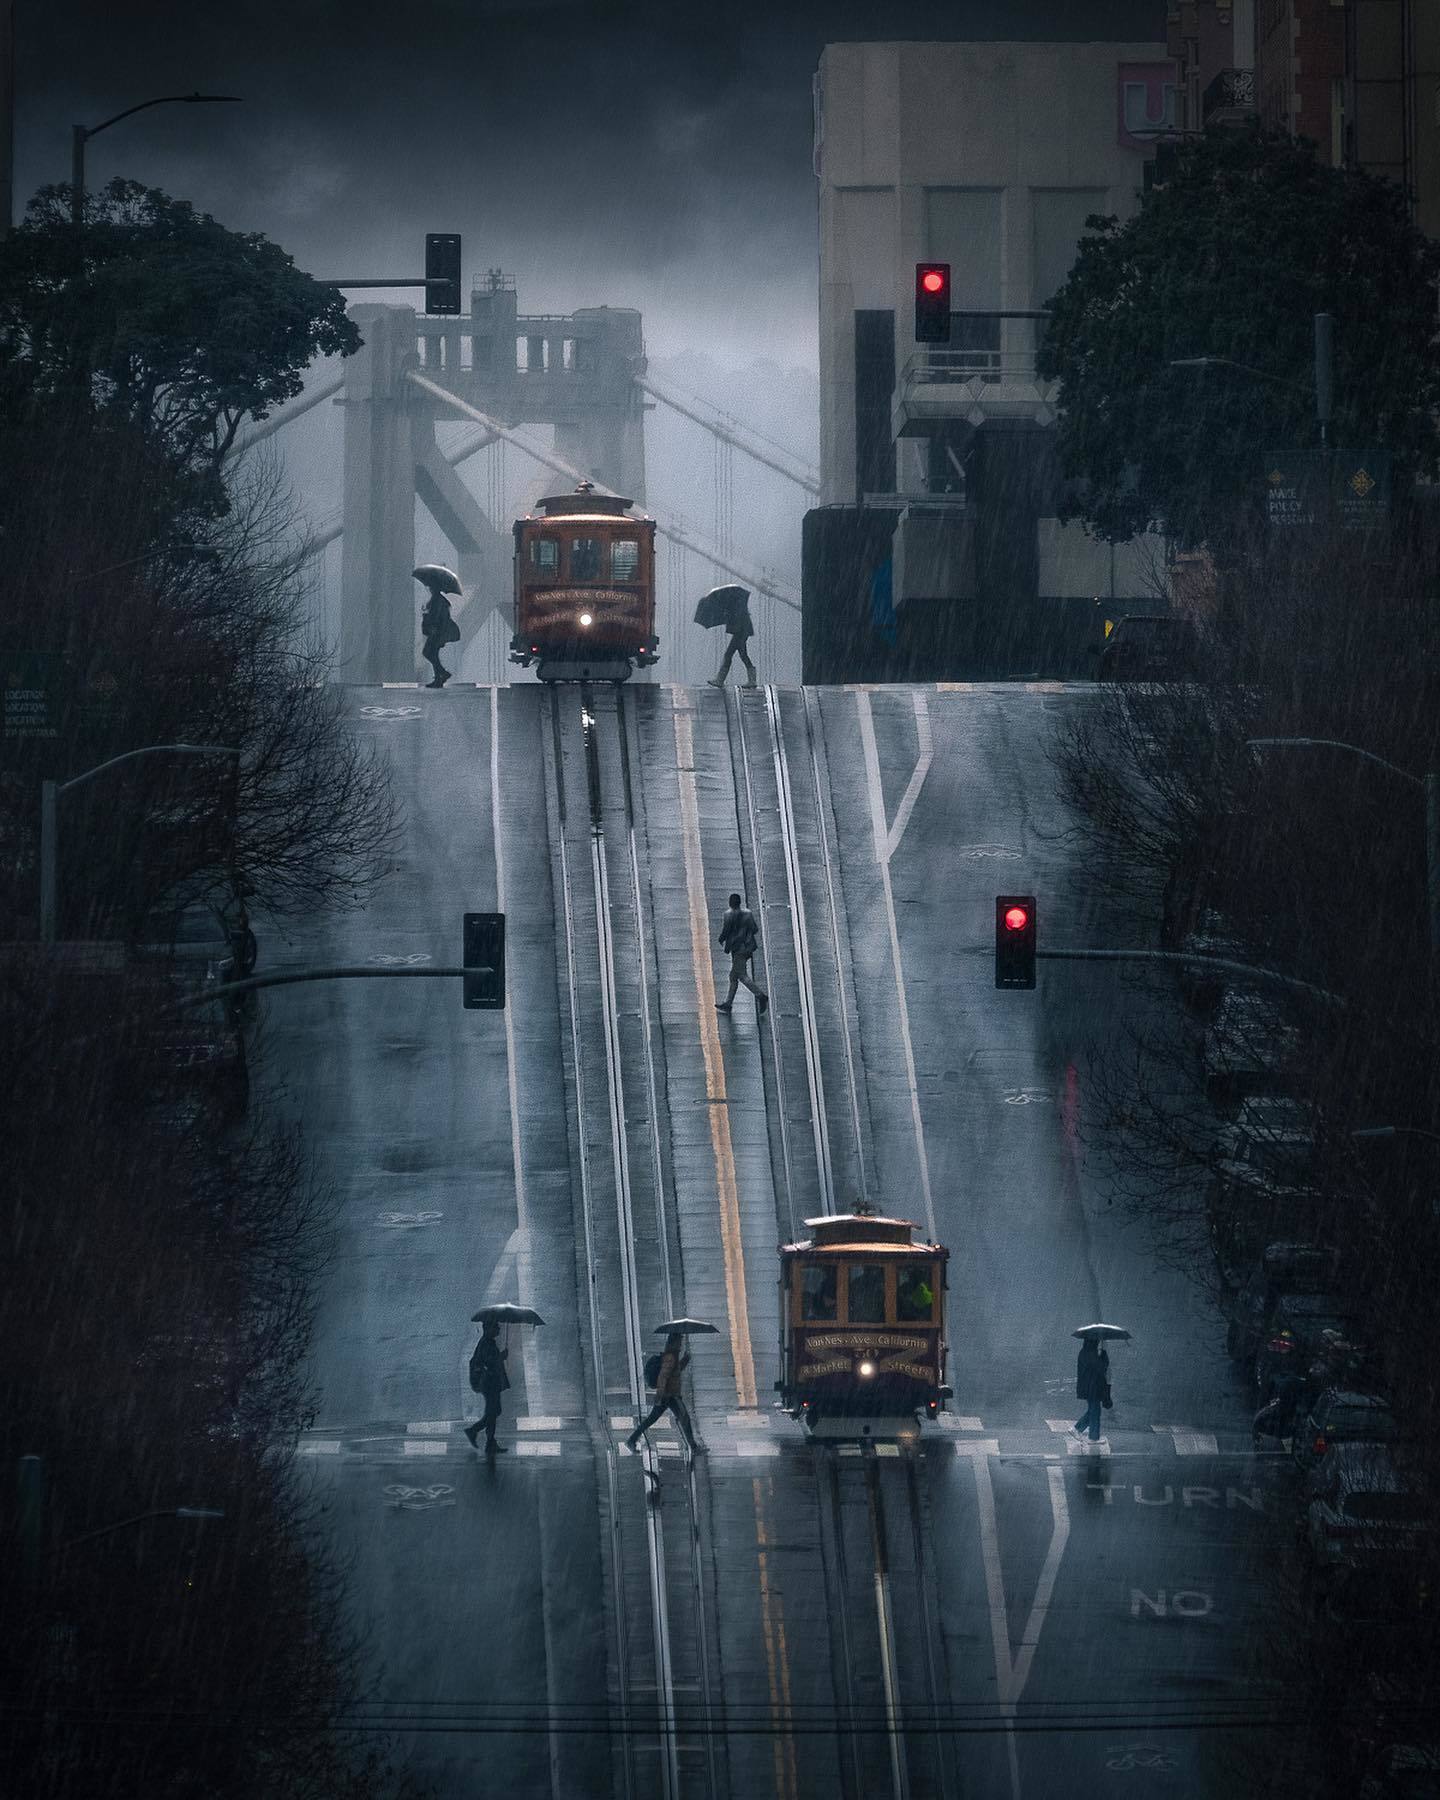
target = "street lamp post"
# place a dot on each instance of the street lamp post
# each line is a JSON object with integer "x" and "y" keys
{"x": 1429, "y": 785}
{"x": 1324, "y": 383}
{"x": 50, "y": 792}
{"x": 81, "y": 134}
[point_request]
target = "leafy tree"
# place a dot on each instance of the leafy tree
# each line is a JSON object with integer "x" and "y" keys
{"x": 161, "y": 317}
{"x": 1249, "y": 236}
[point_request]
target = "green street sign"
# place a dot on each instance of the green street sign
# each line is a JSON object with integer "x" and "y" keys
{"x": 32, "y": 694}
{"x": 1317, "y": 489}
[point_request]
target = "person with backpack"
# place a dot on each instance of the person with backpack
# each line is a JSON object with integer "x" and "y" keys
{"x": 663, "y": 1372}
{"x": 740, "y": 935}
{"x": 488, "y": 1377}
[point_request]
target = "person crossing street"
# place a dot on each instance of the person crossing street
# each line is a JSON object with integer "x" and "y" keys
{"x": 740, "y": 936}
{"x": 673, "y": 1361}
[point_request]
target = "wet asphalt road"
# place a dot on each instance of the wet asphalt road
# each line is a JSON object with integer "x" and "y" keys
{"x": 1077, "y": 1620}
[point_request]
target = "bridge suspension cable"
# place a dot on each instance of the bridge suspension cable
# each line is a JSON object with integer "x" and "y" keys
{"x": 731, "y": 431}
{"x": 761, "y": 584}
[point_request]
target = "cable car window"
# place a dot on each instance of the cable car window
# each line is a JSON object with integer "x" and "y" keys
{"x": 914, "y": 1296}
{"x": 817, "y": 1295}
{"x": 867, "y": 1293}
{"x": 586, "y": 557}
{"x": 624, "y": 559}
{"x": 545, "y": 554}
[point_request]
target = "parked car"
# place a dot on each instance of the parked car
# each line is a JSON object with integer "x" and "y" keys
{"x": 1337, "y": 1419}
{"x": 1149, "y": 647}
{"x": 1201, "y": 988}
{"x": 1366, "y": 1515}
{"x": 1403, "y": 1772}
{"x": 1261, "y": 1191}
{"x": 1250, "y": 1049}
{"x": 1282, "y": 1269}
{"x": 1303, "y": 1328}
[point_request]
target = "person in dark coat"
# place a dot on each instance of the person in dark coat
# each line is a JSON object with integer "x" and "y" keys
{"x": 1092, "y": 1385}
{"x": 673, "y": 1363}
{"x": 488, "y": 1378}
{"x": 740, "y": 629}
{"x": 740, "y": 936}
{"x": 437, "y": 629}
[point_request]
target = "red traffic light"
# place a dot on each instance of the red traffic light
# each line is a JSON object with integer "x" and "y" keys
{"x": 1016, "y": 918}
{"x": 932, "y": 303}
{"x": 1015, "y": 945}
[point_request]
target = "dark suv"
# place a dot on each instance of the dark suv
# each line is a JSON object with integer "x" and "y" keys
{"x": 1148, "y": 647}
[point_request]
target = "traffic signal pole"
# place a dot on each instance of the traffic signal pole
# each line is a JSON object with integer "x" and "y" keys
{"x": 340, "y": 972}
{"x": 1272, "y": 977}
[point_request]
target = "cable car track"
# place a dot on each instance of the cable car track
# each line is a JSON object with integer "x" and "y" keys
{"x": 617, "y": 1286}
{"x": 866, "y": 1654}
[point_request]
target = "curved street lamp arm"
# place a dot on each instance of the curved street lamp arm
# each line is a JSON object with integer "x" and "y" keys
{"x": 1337, "y": 744}
{"x": 147, "y": 750}
{"x": 89, "y": 131}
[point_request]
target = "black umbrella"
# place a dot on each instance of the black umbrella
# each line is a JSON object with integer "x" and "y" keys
{"x": 721, "y": 605}
{"x": 684, "y": 1328}
{"x": 438, "y": 578}
{"x": 505, "y": 1312}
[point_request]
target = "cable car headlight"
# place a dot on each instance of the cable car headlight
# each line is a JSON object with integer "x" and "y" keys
{"x": 865, "y": 1369}
{"x": 587, "y": 618}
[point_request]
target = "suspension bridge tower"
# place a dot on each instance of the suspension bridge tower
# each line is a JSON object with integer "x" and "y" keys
{"x": 580, "y": 372}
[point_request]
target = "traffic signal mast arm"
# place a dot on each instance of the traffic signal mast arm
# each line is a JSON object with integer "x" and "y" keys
{"x": 1249, "y": 970}
{"x": 341, "y": 972}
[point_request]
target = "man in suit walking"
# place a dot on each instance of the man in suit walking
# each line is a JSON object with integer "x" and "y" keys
{"x": 740, "y": 935}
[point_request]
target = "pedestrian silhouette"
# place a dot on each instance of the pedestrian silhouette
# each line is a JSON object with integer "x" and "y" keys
{"x": 1092, "y": 1385}
{"x": 740, "y": 936}
{"x": 488, "y": 1377}
{"x": 672, "y": 1363}
{"x": 740, "y": 629}
{"x": 437, "y": 627}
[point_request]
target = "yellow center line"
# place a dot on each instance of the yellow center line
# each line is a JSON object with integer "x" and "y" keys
{"x": 777, "y": 1660}
{"x": 736, "y": 1304}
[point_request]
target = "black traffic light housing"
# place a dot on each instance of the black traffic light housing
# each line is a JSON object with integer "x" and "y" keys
{"x": 442, "y": 264}
{"x": 484, "y": 953}
{"x": 932, "y": 303}
{"x": 1014, "y": 940}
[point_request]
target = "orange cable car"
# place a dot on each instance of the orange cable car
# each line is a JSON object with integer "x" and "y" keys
{"x": 584, "y": 589}
{"x": 862, "y": 1327}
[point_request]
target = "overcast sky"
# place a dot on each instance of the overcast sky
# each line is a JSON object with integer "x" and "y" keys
{"x": 642, "y": 155}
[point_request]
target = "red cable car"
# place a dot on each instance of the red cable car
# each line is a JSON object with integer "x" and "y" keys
{"x": 584, "y": 588}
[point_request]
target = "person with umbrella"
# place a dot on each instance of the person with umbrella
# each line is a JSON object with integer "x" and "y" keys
{"x": 729, "y": 606}
{"x": 1092, "y": 1376}
{"x": 488, "y": 1375}
{"x": 437, "y": 628}
{"x": 663, "y": 1373}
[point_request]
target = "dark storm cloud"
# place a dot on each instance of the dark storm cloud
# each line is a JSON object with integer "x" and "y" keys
{"x": 648, "y": 155}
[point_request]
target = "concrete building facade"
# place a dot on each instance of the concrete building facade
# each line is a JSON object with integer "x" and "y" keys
{"x": 936, "y": 543}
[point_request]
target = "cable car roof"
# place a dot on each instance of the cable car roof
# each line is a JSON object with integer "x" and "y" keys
{"x": 868, "y": 1232}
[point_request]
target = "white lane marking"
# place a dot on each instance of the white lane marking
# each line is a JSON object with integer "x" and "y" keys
{"x": 523, "y": 1267}
{"x": 1026, "y": 1097}
{"x": 882, "y": 857}
{"x": 1194, "y": 1443}
{"x": 994, "y": 852}
{"x": 319, "y": 1447}
{"x": 1088, "y": 1446}
{"x": 413, "y": 960}
{"x": 426, "y": 1447}
{"x": 405, "y": 1221}
{"x": 540, "y": 1422}
{"x": 755, "y": 1447}
{"x": 421, "y": 1499}
{"x": 618, "y": 1423}
{"x": 390, "y": 712}
{"x": 917, "y": 775}
{"x": 430, "y": 1428}
{"x": 1010, "y": 1677}
{"x": 887, "y": 1449}
{"x": 959, "y": 1422}
{"x": 747, "y": 1421}
{"x": 538, "y": 1448}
